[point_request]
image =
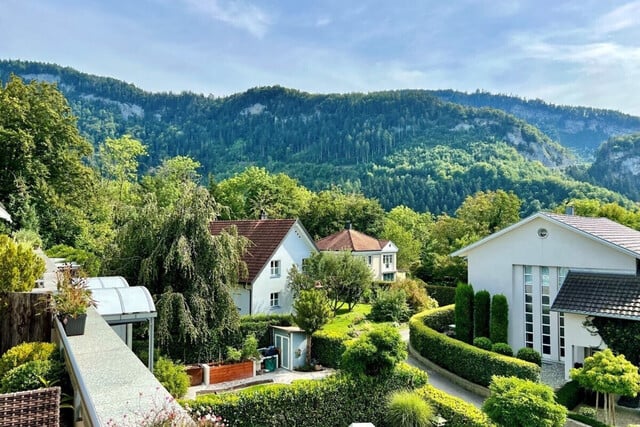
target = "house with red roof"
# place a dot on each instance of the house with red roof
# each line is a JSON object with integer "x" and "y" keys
{"x": 556, "y": 271}
{"x": 380, "y": 255}
{"x": 276, "y": 245}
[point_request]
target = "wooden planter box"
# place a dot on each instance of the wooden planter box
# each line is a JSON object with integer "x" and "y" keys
{"x": 235, "y": 371}
{"x": 196, "y": 374}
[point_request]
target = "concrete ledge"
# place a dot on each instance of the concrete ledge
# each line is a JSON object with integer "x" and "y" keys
{"x": 465, "y": 384}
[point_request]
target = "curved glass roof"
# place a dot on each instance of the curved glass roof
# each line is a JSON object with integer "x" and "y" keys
{"x": 107, "y": 282}
{"x": 118, "y": 302}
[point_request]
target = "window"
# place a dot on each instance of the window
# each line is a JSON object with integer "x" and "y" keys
{"x": 369, "y": 260}
{"x": 562, "y": 274}
{"x": 388, "y": 277}
{"x": 274, "y": 299}
{"x": 275, "y": 268}
{"x": 387, "y": 260}
{"x": 545, "y": 305}
{"x": 528, "y": 305}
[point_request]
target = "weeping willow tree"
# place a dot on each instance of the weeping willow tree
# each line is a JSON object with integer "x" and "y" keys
{"x": 188, "y": 271}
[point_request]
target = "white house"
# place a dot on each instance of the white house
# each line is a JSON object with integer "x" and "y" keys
{"x": 529, "y": 261}
{"x": 276, "y": 245}
{"x": 380, "y": 255}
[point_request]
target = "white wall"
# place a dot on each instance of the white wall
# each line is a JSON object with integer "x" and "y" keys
{"x": 578, "y": 339}
{"x": 491, "y": 265}
{"x": 293, "y": 249}
{"x": 241, "y": 298}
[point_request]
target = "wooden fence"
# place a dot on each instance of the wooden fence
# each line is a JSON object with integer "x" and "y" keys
{"x": 24, "y": 318}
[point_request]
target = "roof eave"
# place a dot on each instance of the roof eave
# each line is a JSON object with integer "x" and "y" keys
{"x": 592, "y": 314}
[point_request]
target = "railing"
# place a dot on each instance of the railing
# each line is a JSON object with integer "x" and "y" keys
{"x": 84, "y": 404}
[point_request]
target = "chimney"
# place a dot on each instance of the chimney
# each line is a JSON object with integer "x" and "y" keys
{"x": 263, "y": 214}
{"x": 347, "y": 226}
{"x": 569, "y": 210}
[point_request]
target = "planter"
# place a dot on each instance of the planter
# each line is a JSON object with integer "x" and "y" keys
{"x": 232, "y": 372}
{"x": 73, "y": 326}
{"x": 196, "y": 374}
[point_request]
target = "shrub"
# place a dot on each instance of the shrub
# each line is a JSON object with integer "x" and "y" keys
{"x": 26, "y": 352}
{"x": 328, "y": 347}
{"x": 502, "y": 348}
{"x": 250, "y": 348}
{"x": 233, "y": 355}
{"x": 375, "y": 352}
{"x": 417, "y": 297}
{"x": 259, "y": 326}
{"x": 29, "y": 237}
{"x": 445, "y": 295}
{"x": 530, "y": 355}
{"x": 390, "y": 306}
{"x": 32, "y": 375}
{"x": 481, "y": 311}
{"x": 587, "y": 420}
{"x": 465, "y": 360}
{"x": 570, "y": 395}
{"x": 20, "y": 266}
{"x": 523, "y": 403}
{"x": 499, "y": 323}
{"x": 456, "y": 411}
{"x": 333, "y": 401}
{"x": 172, "y": 377}
{"x": 483, "y": 343}
{"x": 407, "y": 409}
{"x": 464, "y": 312}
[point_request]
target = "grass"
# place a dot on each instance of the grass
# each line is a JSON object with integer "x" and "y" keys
{"x": 343, "y": 319}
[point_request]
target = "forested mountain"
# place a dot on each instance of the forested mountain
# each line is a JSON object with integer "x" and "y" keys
{"x": 582, "y": 129}
{"x": 617, "y": 165}
{"x": 402, "y": 147}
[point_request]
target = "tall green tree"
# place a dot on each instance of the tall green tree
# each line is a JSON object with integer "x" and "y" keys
{"x": 44, "y": 182}
{"x": 189, "y": 271}
{"x": 410, "y": 232}
{"x": 167, "y": 181}
{"x": 464, "y": 312}
{"x": 311, "y": 312}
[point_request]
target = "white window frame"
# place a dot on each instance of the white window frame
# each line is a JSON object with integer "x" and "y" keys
{"x": 275, "y": 266}
{"x": 387, "y": 260}
{"x": 274, "y": 299}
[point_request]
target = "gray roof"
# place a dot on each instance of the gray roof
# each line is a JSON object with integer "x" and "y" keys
{"x": 600, "y": 294}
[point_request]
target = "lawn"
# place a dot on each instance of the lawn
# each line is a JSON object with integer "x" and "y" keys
{"x": 343, "y": 319}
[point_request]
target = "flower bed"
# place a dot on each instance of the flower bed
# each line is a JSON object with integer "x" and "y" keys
{"x": 231, "y": 372}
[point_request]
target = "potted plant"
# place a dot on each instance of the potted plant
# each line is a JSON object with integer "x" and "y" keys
{"x": 72, "y": 300}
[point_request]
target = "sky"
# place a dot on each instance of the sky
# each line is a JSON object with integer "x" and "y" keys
{"x": 584, "y": 52}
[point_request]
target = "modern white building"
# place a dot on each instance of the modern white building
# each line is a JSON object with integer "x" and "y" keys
{"x": 380, "y": 255}
{"x": 529, "y": 261}
{"x": 276, "y": 245}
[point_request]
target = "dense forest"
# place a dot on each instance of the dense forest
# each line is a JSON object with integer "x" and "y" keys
{"x": 401, "y": 147}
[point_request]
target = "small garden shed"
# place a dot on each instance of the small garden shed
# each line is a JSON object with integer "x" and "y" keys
{"x": 291, "y": 342}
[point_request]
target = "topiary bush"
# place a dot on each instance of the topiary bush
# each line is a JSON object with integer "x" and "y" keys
{"x": 499, "y": 322}
{"x": 32, "y": 375}
{"x": 337, "y": 400}
{"x": 465, "y": 360}
{"x": 327, "y": 348}
{"x": 483, "y": 343}
{"x": 375, "y": 352}
{"x": 408, "y": 409}
{"x": 481, "y": 313}
{"x": 464, "y": 313}
{"x": 456, "y": 411}
{"x": 570, "y": 395}
{"x": 502, "y": 348}
{"x": 445, "y": 295}
{"x": 171, "y": 376}
{"x": 390, "y": 306}
{"x": 26, "y": 352}
{"x": 530, "y": 355}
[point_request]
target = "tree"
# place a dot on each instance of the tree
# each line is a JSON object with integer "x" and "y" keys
{"x": 343, "y": 277}
{"x": 481, "y": 314}
{"x": 311, "y": 312}
{"x": 167, "y": 180}
{"x": 522, "y": 403}
{"x": 189, "y": 271}
{"x": 487, "y": 212}
{"x": 608, "y": 374}
{"x": 375, "y": 352}
{"x": 464, "y": 312}
{"x": 499, "y": 321}
{"x": 410, "y": 231}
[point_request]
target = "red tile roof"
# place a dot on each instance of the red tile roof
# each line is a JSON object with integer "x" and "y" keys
{"x": 603, "y": 229}
{"x": 265, "y": 236}
{"x": 350, "y": 240}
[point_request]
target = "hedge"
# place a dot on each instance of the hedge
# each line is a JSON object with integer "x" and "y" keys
{"x": 499, "y": 323}
{"x": 570, "y": 395}
{"x": 464, "y": 360}
{"x": 481, "y": 312}
{"x": 445, "y": 295}
{"x": 456, "y": 411}
{"x": 334, "y": 401}
{"x": 259, "y": 325}
{"x": 586, "y": 420}
{"x": 464, "y": 312}
{"x": 327, "y": 347}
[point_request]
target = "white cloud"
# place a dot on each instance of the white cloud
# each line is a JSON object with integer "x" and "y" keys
{"x": 621, "y": 18}
{"x": 240, "y": 14}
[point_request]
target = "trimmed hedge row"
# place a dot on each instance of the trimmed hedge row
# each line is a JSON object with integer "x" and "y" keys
{"x": 327, "y": 348}
{"x": 464, "y": 360}
{"x": 259, "y": 326}
{"x": 334, "y": 401}
{"x": 445, "y": 295}
{"x": 456, "y": 411}
{"x": 586, "y": 420}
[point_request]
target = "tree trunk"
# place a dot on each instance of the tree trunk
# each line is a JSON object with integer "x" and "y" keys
{"x": 26, "y": 318}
